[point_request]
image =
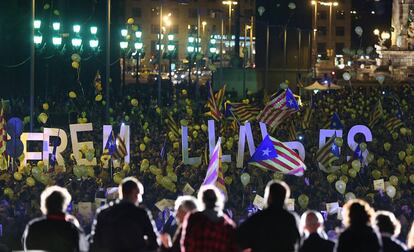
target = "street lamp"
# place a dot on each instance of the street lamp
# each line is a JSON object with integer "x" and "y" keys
{"x": 170, "y": 52}
{"x": 230, "y": 4}
{"x": 123, "y": 45}
{"x": 213, "y": 53}
{"x": 76, "y": 40}
{"x": 329, "y": 4}
{"x": 56, "y": 38}
{"x": 94, "y": 42}
{"x": 190, "y": 50}
{"x": 139, "y": 49}
{"x": 37, "y": 38}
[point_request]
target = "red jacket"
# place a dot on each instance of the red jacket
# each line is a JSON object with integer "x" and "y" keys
{"x": 203, "y": 232}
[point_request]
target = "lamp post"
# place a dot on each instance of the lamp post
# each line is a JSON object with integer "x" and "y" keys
{"x": 123, "y": 45}
{"x": 212, "y": 52}
{"x": 170, "y": 52}
{"x": 32, "y": 63}
{"x": 56, "y": 38}
{"x": 230, "y": 4}
{"x": 330, "y": 4}
{"x": 37, "y": 37}
{"x": 190, "y": 51}
{"x": 76, "y": 40}
{"x": 139, "y": 49}
{"x": 159, "y": 55}
{"x": 94, "y": 42}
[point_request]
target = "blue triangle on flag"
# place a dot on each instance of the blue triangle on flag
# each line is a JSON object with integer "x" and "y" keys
{"x": 336, "y": 122}
{"x": 265, "y": 151}
{"x": 291, "y": 100}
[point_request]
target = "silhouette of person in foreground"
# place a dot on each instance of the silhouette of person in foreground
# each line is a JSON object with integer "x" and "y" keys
{"x": 359, "y": 235}
{"x": 274, "y": 228}
{"x": 183, "y": 206}
{"x": 123, "y": 225}
{"x": 316, "y": 239}
{"x": 209, "y": 230}
{"x": 55, "y": 231}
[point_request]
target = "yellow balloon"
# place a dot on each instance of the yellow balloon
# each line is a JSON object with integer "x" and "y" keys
{"x": 356, "y": 164}
{"x": 134, "y": 102}
{"x": 331, "y": 178}
{"x": 42, "y": 118}
{"x": 352, "y": 173}
{"x": 376, "y": 174}
{"x": 142, "y": 147}
{"x": 303, "y": 201}
{"x": 381, "y": 162}
{"x": 344, "y": 179}
{"x": 401, "y": 155}
{"x": 387, "y": 146}
{"x": 17, "y": 176}
{"x": 30, "y": 181}
{"x": 344, "y": 168}
{"x": 393, "y": 180}
{"x": 98, "y": 98}
{"x": 45, "y": 106}
{"x": 72, "y": 95}
{"x": 75, "y": 65}
{"x": 8, "y": 192}
{"x": 118, "y": 178}
{"x": 228, "y": 180}
{"x": 411, "y": 178}
{"x": 130, "y": 21}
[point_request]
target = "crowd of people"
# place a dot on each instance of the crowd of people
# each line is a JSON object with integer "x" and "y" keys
{"x": 156, "y": 158}
{"x": 124, "y": 225}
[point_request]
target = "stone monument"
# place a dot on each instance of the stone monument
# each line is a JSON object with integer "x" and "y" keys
{"x": 399, "y": 58}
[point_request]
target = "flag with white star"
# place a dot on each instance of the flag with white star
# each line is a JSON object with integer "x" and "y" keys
{"x": 328, "y": 153}
{"x": 278, "y": 109}
{"x": 273, "y": 155}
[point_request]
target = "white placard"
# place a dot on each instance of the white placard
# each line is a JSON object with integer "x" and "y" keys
{"x": 259, "y": 202}
{"x": 188, "y": 190}
{"x": 332, "y": 208}
{"x": 379, "y": 185}
{"x": 290, "y": 204}
{"x": 165, "y": 203}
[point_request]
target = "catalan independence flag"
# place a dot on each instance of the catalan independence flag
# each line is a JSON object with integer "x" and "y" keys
{"x": 214, "y": 174}
{"x": 273, "y": 155}
{"x": 292, "y": 131}
{"x": 328, "y": 153}
{"x": 306, "y": 120}
{"x": 219, "y": 97}
{"x": 376, "y": 115}
{"x": 393, "y": 123}
{"x": 172, "y": 125}
{"x": 213, "y": 105}
{"x": 121, "y": 150}
{"x": 244, "y": 112}
{"x": 278, "y": 109}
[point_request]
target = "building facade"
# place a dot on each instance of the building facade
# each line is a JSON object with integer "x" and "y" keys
{"x": 332, "y": 30}
{"x": 202, "y": 18}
